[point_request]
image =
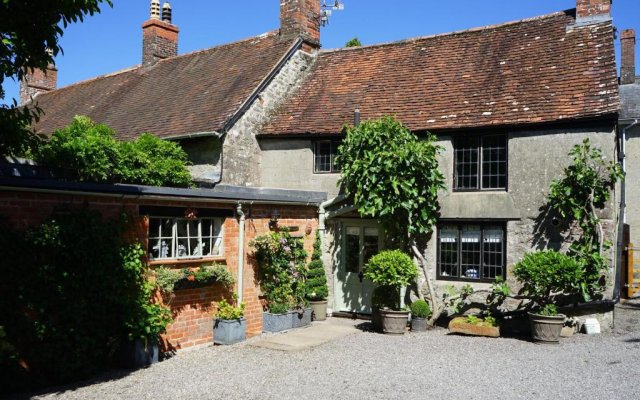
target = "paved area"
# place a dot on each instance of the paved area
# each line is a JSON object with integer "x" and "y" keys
{"x": 366, "y": 365}
{"x": 312, "y": 336}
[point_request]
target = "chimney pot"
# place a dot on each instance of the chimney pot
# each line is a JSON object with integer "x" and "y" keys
{"x": 628, "y": 57}
{"x": 159, "y": 37}
{"x": 589, "y": 11}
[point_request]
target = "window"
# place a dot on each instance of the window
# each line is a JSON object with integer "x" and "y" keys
{"x": 325, "y": 152}
{"x": 184, "y": 238}
{"x": 481, "y": 162}
{"x": 362, "y": 243}
{"x": 471, "y": 252}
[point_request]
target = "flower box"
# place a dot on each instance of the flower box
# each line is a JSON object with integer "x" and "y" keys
{"x": 300, "y": 319}
{"x": 277, "y": 322}
{"x": 227, "y": 332}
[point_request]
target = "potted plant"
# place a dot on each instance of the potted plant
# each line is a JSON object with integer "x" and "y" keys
{"x": 420, "y": 313}
{"x": 277, "y": 318}
{"x": 548, "y": 276}
{"x": 316, "y": 286}
{"x": 141, "y": 348}
{"x": 229, "y": 326}
{"x": 392, "y": 270}
{"x": 475, "y": 326}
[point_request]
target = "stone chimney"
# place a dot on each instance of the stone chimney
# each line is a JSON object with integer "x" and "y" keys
{"x": 159, "y": 36}
{"x": 588, "y": 11}
{"x": 300, "y": 18}
{"x": 628, "y": 57}
{"x": 38, "y": 81}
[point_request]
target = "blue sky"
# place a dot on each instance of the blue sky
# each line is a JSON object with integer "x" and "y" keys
{"x": 112, "y": 40}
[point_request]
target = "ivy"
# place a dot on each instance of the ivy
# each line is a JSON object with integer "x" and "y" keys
{"x": 586, "y": 188}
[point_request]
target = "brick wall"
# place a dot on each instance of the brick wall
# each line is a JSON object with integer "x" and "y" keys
{"x": 159, "y": 41}
{"x": 36, "y": 82}
{"x": 592, "y": 8}
{"x": 192, "y": 308}
{"x": 300, "y": 18}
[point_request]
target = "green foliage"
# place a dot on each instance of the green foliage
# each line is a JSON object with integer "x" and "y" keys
{"x": 391, "y": 175}
{"x": 91, "y": 151}
{"x": 420, "y": 309}
{"x": 278, "y": 308}
{"x": 169, "y": 279}
{"x": 282, "y": 268}
{"x": 585, "y": 188}
{"x": 229, "y": 312}
{"x": 548, "y": 274}
{"x": 71, "y": 290}
{"x": 391, "y": 268}
{"x": 316, "y": 285}
{"x": 386, "y": 297}
{"x": 473, "y": 320}
{"x": 30, "y": 32}
{"x": 454, "y": 298}
{"x": 549, "y": 310}
{"x": 355, "y": 42}
{"x": 490, "y": 320}
{"x": 149, "y": 160}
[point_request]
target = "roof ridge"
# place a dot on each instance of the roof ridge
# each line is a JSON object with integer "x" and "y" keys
{"x": 460, "y": 32}
{"x": 139, "y": 67}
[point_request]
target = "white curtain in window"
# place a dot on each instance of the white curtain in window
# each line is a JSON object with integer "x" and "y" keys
{"x": 471, "y": 234}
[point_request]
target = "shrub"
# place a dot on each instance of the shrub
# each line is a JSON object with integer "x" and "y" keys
{"x": 548, "y": 274}
{"x": 93, "y": 153}
{"x": 316, "y": 285}
{"x": 282, "y": 271}
{"x": 229, "y": 312}
{"x": 278, "y": 308}
{"x": 391, "y": 268}
{"x": 420, "y": 309}
{"x": 169, "y": 279}
{"x": 71, "y": 290}
{"x": 386, "y": 297}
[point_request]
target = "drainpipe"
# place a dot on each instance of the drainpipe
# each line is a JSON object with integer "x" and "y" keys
{"x": 322, "y": 217}
{"x": 241, "y": 219}
{"x": 623, "y": 211}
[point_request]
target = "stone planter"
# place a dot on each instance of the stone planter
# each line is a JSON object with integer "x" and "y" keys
{"x": 136, "y": 355}
{"x": 418, "y": 324}
{"x": 300, "y": 319}
{"x": 227, "y": 332}
{"x": 276, "y": 322}
{"x": 461, "y": 326}
{"x": 319, "y": 310}
{"x": 394, "y": 322}
{"x": 546, "y": 329}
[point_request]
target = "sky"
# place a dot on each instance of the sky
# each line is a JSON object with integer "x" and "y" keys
{"x": 112, "y": 40}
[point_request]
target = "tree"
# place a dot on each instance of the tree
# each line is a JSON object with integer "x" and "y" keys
{"x": 30, "y": 33}
{"x": 585, "y": 189}
{"x": 355, "y": 42}
{"x": 393, "y": 176}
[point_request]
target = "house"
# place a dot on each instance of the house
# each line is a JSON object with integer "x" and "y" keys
{"x": 629, "y": 126}
{"x": 507, "y": 103}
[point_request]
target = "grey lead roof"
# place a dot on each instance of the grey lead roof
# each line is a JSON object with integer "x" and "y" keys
{"x": 630, "y": 101}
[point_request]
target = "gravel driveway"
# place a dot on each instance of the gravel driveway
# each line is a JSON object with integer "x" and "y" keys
{"x": 430, "y": 365}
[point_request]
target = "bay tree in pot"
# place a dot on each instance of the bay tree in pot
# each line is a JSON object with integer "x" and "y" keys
{"x": 316, "y": 285}
{"x": 393, "y": 270}
{"x": 546, "y": 277}
{"x": 229, "y": 326}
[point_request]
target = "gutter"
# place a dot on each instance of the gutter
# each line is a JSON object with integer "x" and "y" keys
{"x": 241, "y": 220}
{"x": 196, "y": 135}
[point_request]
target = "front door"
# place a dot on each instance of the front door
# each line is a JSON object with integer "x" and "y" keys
{"x": 360, "y": 241}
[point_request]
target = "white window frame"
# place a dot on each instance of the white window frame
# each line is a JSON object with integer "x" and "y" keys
{"x": 157, "y": 237}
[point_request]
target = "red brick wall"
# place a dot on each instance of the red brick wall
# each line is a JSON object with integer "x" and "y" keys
{"x": 36, "y": 82}
{"x": 628, "y": 57}
{"x": 193, "y": 308}
{"x": 159, "y": 41}
{"x": 300, "y": 18}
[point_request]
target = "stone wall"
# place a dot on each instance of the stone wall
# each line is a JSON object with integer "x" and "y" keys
{"x": 633, "y": 183}
{"x": 241, "y": 152}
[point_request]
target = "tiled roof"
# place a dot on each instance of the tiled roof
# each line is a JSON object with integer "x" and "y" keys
{"x": 630, "y": 99}
{"x": 538, "y": 70}
{"x": 192, "y": 93}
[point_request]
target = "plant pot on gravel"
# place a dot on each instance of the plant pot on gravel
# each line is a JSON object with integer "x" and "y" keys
{"x": 316, "y": 287}
{"x": 394, "y": 322}
{"x": 318, "y": 310}
{"x": 138, "y": 354}
{"x": 546, "y": 328}
{"x": 277, "y": 319}
{"x": 229, "y": 327}
{"x": 420, "y": 313}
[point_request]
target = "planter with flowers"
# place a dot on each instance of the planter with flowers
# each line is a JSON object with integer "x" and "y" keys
{"x": 229, "y": 326}
{"x": 283, "y": 272}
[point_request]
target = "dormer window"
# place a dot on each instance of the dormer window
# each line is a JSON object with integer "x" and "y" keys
{"x": 480, "y": 163}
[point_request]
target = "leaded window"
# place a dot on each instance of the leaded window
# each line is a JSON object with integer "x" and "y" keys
{"x": 182, "y": 238}
{"x": 481, "y": 162}
{"x": 325, "y": 152}
{"x": 471, "y": 252}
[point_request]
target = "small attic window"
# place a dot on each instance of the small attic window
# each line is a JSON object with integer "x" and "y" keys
{"x": 324, "y": 152}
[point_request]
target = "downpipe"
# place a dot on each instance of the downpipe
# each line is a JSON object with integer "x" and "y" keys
{"x": 241, "y": 221}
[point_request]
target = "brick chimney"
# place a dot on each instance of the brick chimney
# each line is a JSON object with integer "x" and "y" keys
{"x": 628, "y": 57}
{"x": 588, "y": 11}
{"x": 159, "y": 36}
{"x": 38, "y": 81}
{"x": 300, "y": 18}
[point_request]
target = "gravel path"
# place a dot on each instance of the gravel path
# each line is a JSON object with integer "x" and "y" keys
{"x": 430, "y": 365}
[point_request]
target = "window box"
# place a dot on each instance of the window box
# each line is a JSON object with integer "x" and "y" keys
{"x": 471, "y": 252}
